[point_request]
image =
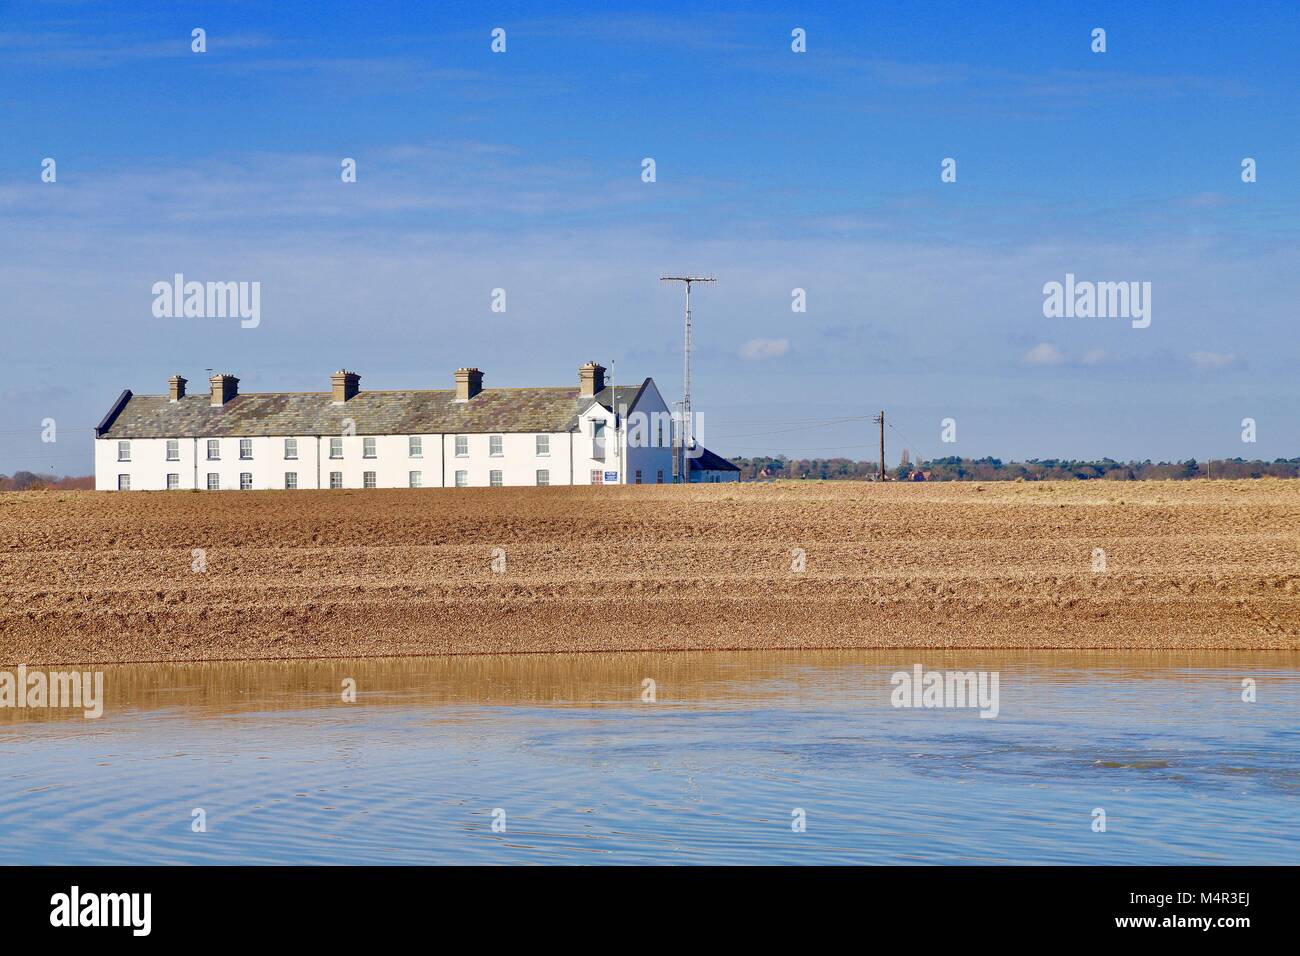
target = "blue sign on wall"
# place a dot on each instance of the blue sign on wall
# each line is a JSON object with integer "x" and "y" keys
{"x": 611, "y": 477}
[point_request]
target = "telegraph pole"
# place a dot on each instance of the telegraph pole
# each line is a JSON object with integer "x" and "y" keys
{"x": 683, "y": 432}
{"x": 613, "y": 403}
{"x": 880, "y": 420}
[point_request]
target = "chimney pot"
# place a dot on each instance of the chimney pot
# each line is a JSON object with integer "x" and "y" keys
{"x": 591, "y": 379}
{"x": 224, "y": 387}
{"x": 345, "y": 385}
{"x": 176, "y": 388}
{"x": 469, "y": 382}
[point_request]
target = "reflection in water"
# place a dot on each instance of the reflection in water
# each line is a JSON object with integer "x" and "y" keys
{"x": 585, "y": 771}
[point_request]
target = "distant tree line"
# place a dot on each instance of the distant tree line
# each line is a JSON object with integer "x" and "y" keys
{"x": 29, "y": 481}
{"x": 939, "y": 469}
{"x": 954, "y": 468}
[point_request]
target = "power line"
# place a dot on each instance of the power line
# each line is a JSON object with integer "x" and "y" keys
{"x": 906, "y": 441}
{"x": 797, "y": 428}
{"x": 800, "y": 421}
{"x": 821, "y": 448}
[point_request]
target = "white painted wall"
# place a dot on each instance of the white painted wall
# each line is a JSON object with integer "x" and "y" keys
{"x": 518, "y": 462}
{"x": 649, "y": 441}
{"x": 149, "y": 466}
{"x": 571, "y": 460}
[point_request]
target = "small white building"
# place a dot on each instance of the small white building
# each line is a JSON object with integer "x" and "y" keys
{"x": 704, "y": 466}
{"x": 348, "y": 438}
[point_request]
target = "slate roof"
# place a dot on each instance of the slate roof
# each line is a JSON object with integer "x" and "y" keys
{"x": 708, "y": 461}
{"x": 406, "y": 412}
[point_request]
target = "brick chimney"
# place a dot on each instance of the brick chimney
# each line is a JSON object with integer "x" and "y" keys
{"x": 345, "y": 385}
{"x": 224, "y": 387}
{"x": 591, "y": 379}
{"x": 175, "y": 388}
{"x": 469, "y": 382}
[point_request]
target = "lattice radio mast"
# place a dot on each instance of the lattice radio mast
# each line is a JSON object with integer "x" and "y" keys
{"x": 683, "y": 432}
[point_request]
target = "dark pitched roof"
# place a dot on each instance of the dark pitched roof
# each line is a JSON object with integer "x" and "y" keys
{"x": 112, "y": 412}
{"x": 373, "y": 413}
{"x": 405, "y": 412}
{"x": 622, "y": 398}
{"x": 708, "y": 461}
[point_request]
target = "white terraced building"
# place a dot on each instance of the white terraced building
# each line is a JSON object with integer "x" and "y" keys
{"x": 468, "y": 436}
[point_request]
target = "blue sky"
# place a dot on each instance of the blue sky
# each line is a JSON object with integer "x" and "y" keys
{"x": 775, "y": 171}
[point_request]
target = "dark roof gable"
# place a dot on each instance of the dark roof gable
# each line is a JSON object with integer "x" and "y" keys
{"x": 620, "y": 398}
{"x": 708, "y": 461}
{"x": 106, "y": 422}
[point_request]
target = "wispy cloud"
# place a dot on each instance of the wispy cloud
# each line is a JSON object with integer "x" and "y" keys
{"x": 1211, "y": 360}
{"x": 1045, "y": 353}
{"x": 481, "y": 183}
{"x": 724, "y": 33}
{"x": 80, "y": 49}
{"x": 758, "y": 349}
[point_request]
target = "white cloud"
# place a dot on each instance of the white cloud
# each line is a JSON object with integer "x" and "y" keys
{"x": 1209, "y": 360}
{"x": 1093, "y": 357}
{"x": 756, "y": 349}
{"x": 1043, "y": 354}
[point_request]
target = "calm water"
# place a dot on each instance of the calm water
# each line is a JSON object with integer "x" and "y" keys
{"x": 710, "y": 773}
